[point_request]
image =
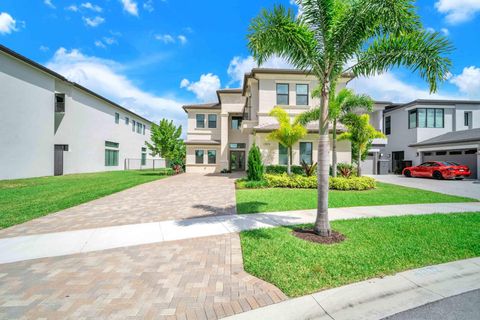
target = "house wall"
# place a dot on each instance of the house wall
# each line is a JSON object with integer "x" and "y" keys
{"x": 459, "y": 123}
{"x": 204, "y": 168}
{"x": 31, "y": 127}
{"x": 206, "y": 133}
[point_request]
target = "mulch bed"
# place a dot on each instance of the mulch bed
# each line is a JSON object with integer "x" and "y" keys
{"x": 310, "y": 235}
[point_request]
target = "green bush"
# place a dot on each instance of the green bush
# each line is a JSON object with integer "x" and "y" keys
{"x": 279, "y": 169}
{"x": 165, "y": 171}
{"x": 245, "y": 184}
{"x": 352, "y": 183}
{"x": 255, "y": 165}
{"x": 346, "y": 170}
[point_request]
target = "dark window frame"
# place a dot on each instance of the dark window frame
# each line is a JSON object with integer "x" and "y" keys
{"x": 287, "y": 95}
{"x": 388, "y": 125}
{"x": 425, "y": 124}
{"x": 282, "y": 156}
{"x": 117, "y": 117}
{"x": 214, "y": 126}
{"x": 200, "y": 124}
{"x": 60, "y": 102}
{"x": 311, "y": 151}
{"x": 302, "y": 95}
{"x": 239, "y": 125}
{"x": 197, "y": 156}
{"x": 467, "y": 118}
{"x": 214, "y": 156}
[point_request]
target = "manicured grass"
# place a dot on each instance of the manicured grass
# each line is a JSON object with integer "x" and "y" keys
{"x": 27, "y": 199}
{"x": 282, "y": 199}
{"x": 373, "y": 248}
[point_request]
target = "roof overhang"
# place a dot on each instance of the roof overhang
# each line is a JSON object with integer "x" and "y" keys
{"x": 202, "y": 142}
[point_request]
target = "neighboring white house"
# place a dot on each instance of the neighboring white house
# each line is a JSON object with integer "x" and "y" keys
{"x": 53, "y": 126}
{"x": 428, "y": 130}
{"x": 220, "y": 134}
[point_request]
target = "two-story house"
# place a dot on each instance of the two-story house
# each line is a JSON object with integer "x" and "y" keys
{"x": 433, "y": 130}
{"x": 221, "y": 133}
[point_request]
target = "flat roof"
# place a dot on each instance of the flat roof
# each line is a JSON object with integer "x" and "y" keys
{"x": 36, "y": 65}
{"x": 442, "y": 102}
{"x": 470, "y": 135}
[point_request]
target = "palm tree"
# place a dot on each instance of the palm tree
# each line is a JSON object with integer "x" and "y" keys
{"x": 341, "y": 104}
{"x": 287, "y": 134}
{"x": 360, "y": 132}
{"x": 376, "y": 34}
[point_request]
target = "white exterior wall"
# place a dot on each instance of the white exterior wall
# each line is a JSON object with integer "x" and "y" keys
{"x": 27, "y": 136}
{"x": 459, "y": 123}
{"x": 400, "y": 137}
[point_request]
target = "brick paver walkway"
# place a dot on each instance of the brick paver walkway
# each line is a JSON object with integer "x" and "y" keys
{"x": 188, "y": 279}
{"x": 178, "y": 197}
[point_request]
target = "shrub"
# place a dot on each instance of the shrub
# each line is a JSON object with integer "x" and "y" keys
{"x": 279, "y": 169}
{"x": 293, "y": 181}
{"x": 346, "y": 170}
{"x": 245, "y": 184}
{"x": 352, "y": 183}
{"x": 309, "y": 169}
{"x": 165, "y": 171}
{"x": 255, "y": 165}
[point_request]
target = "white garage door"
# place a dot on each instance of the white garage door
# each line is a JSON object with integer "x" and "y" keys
{"x": 367, "y": 165}
{"x": 464, "y": 157}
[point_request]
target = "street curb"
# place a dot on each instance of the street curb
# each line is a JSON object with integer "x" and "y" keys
{"x": 377, "y": 298}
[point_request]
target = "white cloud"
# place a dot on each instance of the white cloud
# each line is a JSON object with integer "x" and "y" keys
{"x": 444, "y": 31}
{"x": 49, "y": 3}
{"x": 388, "y": 87}
{"x": 468, "y": 81}
{"x": 93, "y": 7}
{"x": 130, "y": 6}
{"x": 100, "y": 44}
{"x": 106, "y": 41}
{"x": 239, "y": 66}
{"x": 44, "y": 48}
{"x": 148, "y": 6}
{"x": 106, "y": 78}
{"x": 204, "y": 89}
{"x": 182, "y": 39}
{"x": 93, "y": 22}
{"x": 458, "y": 11}
{"x": 7, "y": 23}
{"x": 165, "y": 38}
{"x": 72, "y": 8}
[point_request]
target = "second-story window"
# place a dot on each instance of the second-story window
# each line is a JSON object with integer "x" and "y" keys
{"x": 302, "y": 94}
{"x": 200, "y": 120}
{"x": 467, "y": 118}
{"x": 117, "y": 117}
{"x": 388, "y": 125}
{"x": 127, "y": 121}
{"x": 426, "y": 118}
{"x": 282, "y": 94}
{"x": 133, "y": 125}
{"x": 236, "y": 122}
{"x": 212, "y": 121}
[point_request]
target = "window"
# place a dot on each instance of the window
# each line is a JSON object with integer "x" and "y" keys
{"x": 143, "y": 129}
{"x": 198, "y": 156}
{"x": 282, "y": 94}
{"x": 127, "y": 121}
{"x": 282, "y": 154}
{"x": 60, "y": 102}
{"x": 133, "y": 125}
{"x": 306, "y": 152}
{"x": 455, "y": 152}
{"x": 111, "y": 153}
{"x": 212, "y": 156}
{"x": 200, "y": 120}
{"x": 467, "y": 118}
{"x": 212, "y": 121}
{"x": 471, "y": 151}
{"x": 302, "y": 94}
{"x": 426, "y": 118}
{"x": 236, "y": 122}
{"x": 427, "y": 153}
{"x": 237, "y": 145}
{"x": 440, "y": 153}
{"x": 144, "y": 156}
{"x": 117, "y": 117}
{"x": 388, "y": 125}
{"x": 139, "y": 127}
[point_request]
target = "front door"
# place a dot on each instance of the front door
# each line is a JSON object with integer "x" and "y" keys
{"x": 58, "y": 160}
{"x": 237, "y": 160}
{"x": 397, "y": 158}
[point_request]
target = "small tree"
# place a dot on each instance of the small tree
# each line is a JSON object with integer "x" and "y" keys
{"x": 287, "y": 134}
{"x": 360, "y": 133}
{"x": 255, "y": 165}
{"x": 166, "y": 143}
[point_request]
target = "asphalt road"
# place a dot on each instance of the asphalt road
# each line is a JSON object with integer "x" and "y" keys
{"x": 465, "y": 306}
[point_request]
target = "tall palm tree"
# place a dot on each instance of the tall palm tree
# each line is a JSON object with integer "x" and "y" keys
{"x": 376, "y": 34}
{"x": 360, "y": 132}
{"x": 341, "y": 104}
{"x": 287, "y": 134}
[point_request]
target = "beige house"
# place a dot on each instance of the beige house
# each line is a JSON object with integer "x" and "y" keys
{"x": 220, "y": 134}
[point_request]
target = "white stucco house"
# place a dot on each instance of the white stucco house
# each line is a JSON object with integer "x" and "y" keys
{"x": 220, "y": 134}
{"x": 52, "y": 126}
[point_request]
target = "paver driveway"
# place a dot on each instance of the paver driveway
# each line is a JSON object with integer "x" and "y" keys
{"x": 177, "y": 197}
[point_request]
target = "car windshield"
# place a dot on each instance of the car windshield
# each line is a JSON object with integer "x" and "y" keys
{"x": 448, "y": 163}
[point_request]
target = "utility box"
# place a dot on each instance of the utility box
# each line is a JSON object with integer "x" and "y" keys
{"x": 383, "y": 166}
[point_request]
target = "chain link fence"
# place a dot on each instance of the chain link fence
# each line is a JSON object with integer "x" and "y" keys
{"x": 144, "y": 164}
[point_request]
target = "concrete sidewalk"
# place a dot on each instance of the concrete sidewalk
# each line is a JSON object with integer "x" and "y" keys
{"x": 88, "y": 240}
{"x": 377, "y": 298}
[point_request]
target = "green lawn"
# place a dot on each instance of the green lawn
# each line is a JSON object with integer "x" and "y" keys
{"x": 27, "y": 199}
{"x": 268, "y": 200}
{"x": 373, "y": 248}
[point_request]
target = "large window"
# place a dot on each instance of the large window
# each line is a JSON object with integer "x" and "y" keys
{"x": 199, "y": 156}
{"x": 212, "y": 121}
{"x": 306, "y": 152}
{"x": 212, "y": 156}
{"x": 200, "y": 120}
{"x": 117, "y": 117}
{"x": 111, "y": 153}
{"x": 426, "y": 118}
{"x": 388, "y": 125}
{"x": 282, "y": 154}
{"x": 144, "y": 156}
{"x": 282, "y": 94}
{"x": 236, "y": 122}
{"x": 302, "y": 94}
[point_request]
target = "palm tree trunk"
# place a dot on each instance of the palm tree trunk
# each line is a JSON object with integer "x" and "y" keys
{"x": 334, "y": 148}
{"x": 289, "y": 161}
{"x": 322, "y": 223}
{"x": 359, "y": 170}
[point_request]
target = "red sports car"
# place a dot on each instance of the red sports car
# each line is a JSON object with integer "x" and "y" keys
{"x": 438, "y": 170}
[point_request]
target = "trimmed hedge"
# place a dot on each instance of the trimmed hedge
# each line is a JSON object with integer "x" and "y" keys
{"x": 165, "y": 171}
{"x": 279, "y": 169}
{"x": 303, "y": 182}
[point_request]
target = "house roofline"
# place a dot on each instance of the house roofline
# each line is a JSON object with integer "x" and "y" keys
{"x": 420, "y": 144}
{"x": 40, "y": 67}
{"x": 444, "y": 102}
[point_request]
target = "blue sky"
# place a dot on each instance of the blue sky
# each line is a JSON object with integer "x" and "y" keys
{"x": 155, "y": 55}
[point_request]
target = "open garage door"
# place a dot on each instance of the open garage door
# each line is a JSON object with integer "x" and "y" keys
{"x": 466, "y": 157}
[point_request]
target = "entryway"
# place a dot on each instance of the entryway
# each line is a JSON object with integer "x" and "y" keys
{"x": 58, "y": 159}
{"x": 237, "y": 161}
